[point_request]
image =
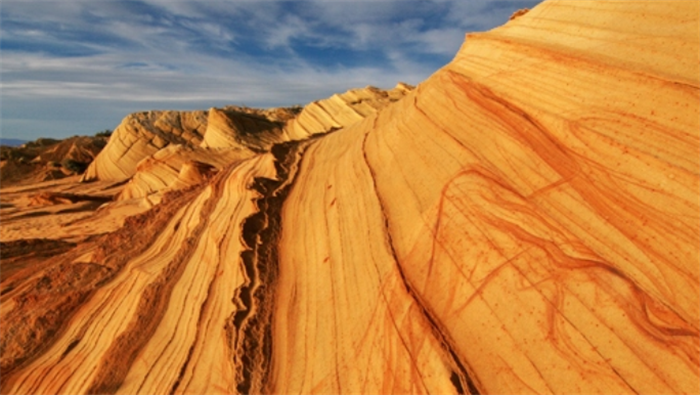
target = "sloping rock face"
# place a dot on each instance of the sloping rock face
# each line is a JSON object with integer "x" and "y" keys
{"x": 161, "y": 170}
{"x": 533, "y": 206}
{"x": 342, "y": 110}
{"x": 135, "y": 149}
{"x": 240, "y": 127}
{"x": 193, "y": 173}
{"x": 81, "y": 149}
{"x": 142, "y": 134}
{"x": 525, "y": 221}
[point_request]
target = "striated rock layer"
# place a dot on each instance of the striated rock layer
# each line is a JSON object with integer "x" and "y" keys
{"x": 342, "y": 110}
{"x": 162, "y": 170}
{"x": 525, "y": 221}
{"x": 142, "y": 134}
{"x": 232, "y": 127}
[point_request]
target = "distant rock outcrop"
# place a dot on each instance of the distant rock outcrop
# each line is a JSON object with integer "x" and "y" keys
{"x": 12, "y": 142}
{"x": 341, "y": 110}
{"x": 48, "y": 159}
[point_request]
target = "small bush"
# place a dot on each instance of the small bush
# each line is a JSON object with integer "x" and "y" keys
{"x": 104, "y": 133}
{"x": 74, "y": 166}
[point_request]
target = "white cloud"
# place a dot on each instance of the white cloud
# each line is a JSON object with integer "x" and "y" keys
{"x": 483, "y": 14}
{"x": 352, "y": 12}
{"x": 288, "y": 28}
{"x": 441, "y": 41}
{"x": 102, "y": 77}
{"x": 188, "y": 54}
{"x": 28, "y": 9}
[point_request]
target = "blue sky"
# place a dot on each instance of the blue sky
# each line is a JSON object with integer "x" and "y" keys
{"x": 78, "y": 67}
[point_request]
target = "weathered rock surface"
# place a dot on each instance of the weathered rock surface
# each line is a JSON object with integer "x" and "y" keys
{"x": 48, "y": 159}
{"x": 341, "y": 110}
{"x": 240, "y": 127}
{"x": 162, "y": 170}
{"x": 193, "y": 173}
{"x": 62, "y": 209}
{"x": 141, "y": 135}
{"x": 525, "y": 221}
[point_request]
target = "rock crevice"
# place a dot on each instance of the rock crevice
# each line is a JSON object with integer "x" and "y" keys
{"x": 252, "y": 338}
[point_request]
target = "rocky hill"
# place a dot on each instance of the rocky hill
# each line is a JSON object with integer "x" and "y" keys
{"x": 526, "y": 220}
{"x": 12, "y": 142}
{"x": 142, "y": 135}
{"x": 48, "y": 159}
{"x": 149, "y": 149}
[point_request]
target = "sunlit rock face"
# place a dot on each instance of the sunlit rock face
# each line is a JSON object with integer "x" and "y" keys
{"x": 342, "y": 110}
{"x": 232, "y": 127}
{"x": 142, "y": 134}
{"x": 136, "y": 144}
{"x": 160, "y": 171}
{"x": 524, "y": 221}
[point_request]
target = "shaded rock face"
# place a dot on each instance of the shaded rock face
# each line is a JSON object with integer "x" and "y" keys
{"x": 142, "y": 134}
{"x": 507, "y": 227}
{"x": 194, "y": 173}
{"x": 231, "y": 127}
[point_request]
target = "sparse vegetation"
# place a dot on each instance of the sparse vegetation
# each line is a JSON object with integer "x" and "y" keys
{"x": 74, "y": 166}
{"x": 104, "y": 133}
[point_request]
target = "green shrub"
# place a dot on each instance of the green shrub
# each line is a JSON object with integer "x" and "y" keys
{"x": 104, "y": 133}
{"x": 74, "y": 166}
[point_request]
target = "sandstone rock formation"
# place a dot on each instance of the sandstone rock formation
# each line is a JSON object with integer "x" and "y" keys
{"x": 234, "y": 127}
{"x": 341, "y": 110}
{"x": 525, "y": 221}
{"x": 162, "y": 169}
{"x": 142, "y": 134}
{"x": 62, "y": 209}
{"x": 48, "y": 159}
{"x": 193, "y": 173}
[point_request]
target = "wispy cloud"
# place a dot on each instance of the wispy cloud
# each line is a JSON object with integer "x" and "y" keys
{"x": 113, "y": 56}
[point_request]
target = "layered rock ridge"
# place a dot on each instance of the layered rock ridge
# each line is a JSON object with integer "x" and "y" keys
{"x": 524, "y": 221}
{"x": 150, "y": 148}
{"x": 342, "y": 110}
{"x": 166, "y": 169}
{"x": 142, "y": 134}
